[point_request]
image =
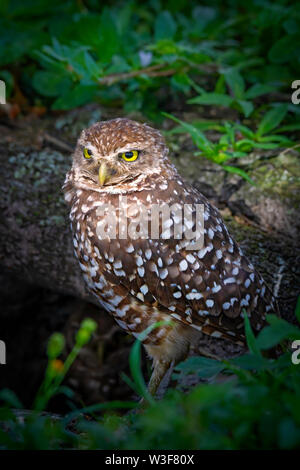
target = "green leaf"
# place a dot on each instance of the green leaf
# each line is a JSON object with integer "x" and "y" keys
{"x": 136, "y": 371}
{"x": 77, "y": 96}
{"x": 251, "y": 340}
{"x": 93, "y": 68}
{"x": 198, "y": 137}
{"x": 250, "y": 362}
{"x": 258, "y": 89}
{"x": 265, "y": 145}
{"x": 50, "y": 83}
{"x": 246, "y": 107}
{"x": 165, "y": 26}
{"x": 202, "y": 366}
{"x": 10, "y": 398}
{"x": 238, "y": 171}
{"x": 198, "y": 124}
{"x": 181, "y": 82}
{"x": 165, "y": 47}
{"x": 220, "y": 85}
{"x": 89, "y": 30}
{"x": 285, "y": 49}
{"x": 18, "y": 40}
{"x": 244, "y": 145}
{"x": 272, "y": 119}
{"x": 135, "y": 361}
{"x": 278, "y": 331}
{"x": 216, "y": 99}
{"x": 237, "y": 154}
{"x": 245, "y": 131}
{"x": 108, "y": 42}
{"x": 289, "y": 128}
{"x": 236, "y": 83}
{"x": 281, "y": 139}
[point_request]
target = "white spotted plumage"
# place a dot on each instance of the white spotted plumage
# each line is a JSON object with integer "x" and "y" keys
{"x": 152, "y": 280}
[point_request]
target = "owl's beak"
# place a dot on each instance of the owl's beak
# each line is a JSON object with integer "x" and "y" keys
{"x": 103, "y": 174}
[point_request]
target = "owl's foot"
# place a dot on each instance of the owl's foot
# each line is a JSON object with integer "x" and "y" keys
{"x": 161, "y": 370}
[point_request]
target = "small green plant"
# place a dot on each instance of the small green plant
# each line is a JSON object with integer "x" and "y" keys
{"x": 221, "y": 152}
{"x": 237, "y": 140}
{"x": 267, "y": 134}
{"x": 57, "y": 369}
{"x": 38, "y": 430}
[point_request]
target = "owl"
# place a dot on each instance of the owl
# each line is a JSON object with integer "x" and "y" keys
{"x": 166, "y": 283}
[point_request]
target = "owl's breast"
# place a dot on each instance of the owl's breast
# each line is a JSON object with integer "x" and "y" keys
{"x": 137, "y": 276}
{"x": 109, "y": 267}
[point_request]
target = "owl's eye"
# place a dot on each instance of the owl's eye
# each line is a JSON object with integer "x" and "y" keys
{"x": 87, "y": 153}
{"x": 130, "y": 156}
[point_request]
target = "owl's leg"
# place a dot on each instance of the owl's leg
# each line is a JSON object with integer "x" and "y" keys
{"x": 169, "y": 352}
{"x": 160, "y": 368}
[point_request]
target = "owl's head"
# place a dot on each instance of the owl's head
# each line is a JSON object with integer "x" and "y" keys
{"x": 116, "y": 153}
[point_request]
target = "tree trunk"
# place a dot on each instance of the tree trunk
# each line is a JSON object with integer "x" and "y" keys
{"x": 35, "y": 235}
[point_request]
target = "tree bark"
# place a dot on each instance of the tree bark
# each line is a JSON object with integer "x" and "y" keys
{"x": 35, "y": 236}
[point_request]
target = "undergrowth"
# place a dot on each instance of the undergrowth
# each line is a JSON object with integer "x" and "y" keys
{"x": 254, "y": 406}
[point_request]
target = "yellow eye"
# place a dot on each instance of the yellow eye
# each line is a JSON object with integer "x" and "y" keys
{"x": 87, "y": 153}
{"x": 130, "y": 156}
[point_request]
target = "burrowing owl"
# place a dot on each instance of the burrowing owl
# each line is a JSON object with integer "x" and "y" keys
{"x": 140, "y": 279}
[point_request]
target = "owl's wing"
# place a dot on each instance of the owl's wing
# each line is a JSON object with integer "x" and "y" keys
{"x": 207, "y": 287}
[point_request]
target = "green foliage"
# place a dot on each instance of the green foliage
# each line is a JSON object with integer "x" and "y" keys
{"x": 237, "y": 140}
{"x": 220, "y": 152}
{"x": 57, "y": 369}
{"x": 66, "y": 54}
{"x": 255, "y": 406}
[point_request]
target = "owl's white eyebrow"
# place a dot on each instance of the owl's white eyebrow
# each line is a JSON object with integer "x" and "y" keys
{"x": 132, "y": 149}
{"x": 127, "y": 148}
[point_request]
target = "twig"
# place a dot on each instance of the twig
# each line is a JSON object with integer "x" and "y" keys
{"x": 289, "y": 148}
{"x": 279, "y": 279}
{"x": 153, "y": 71}
{"x": 58, "y": 143}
